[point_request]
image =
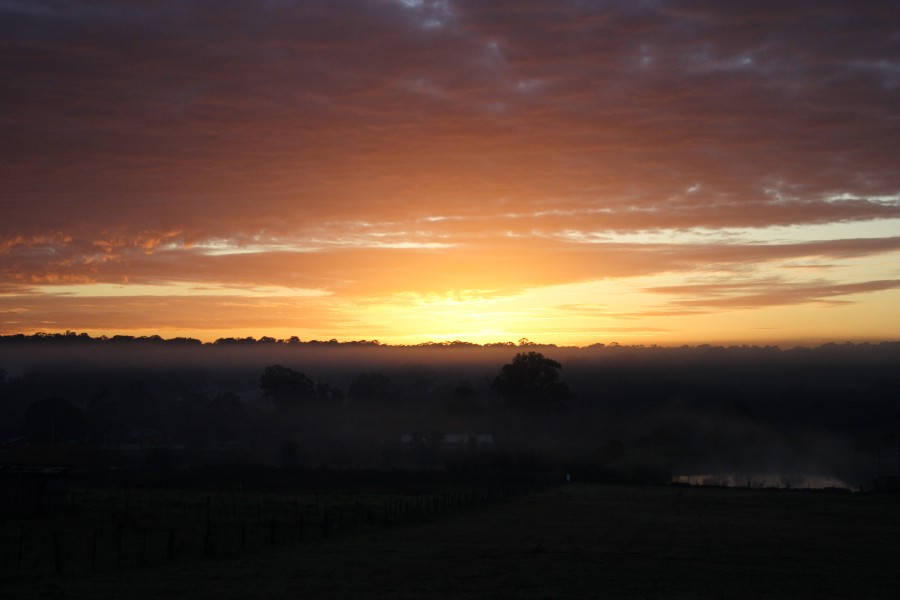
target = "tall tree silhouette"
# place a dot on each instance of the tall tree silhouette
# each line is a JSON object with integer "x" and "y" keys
{"x": 531, "y": 382}
{"x": 287, "y": 387}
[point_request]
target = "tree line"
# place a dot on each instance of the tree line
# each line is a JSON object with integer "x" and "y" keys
{"x": 156, "y": 340}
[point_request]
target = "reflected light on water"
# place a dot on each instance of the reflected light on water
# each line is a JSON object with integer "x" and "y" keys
{"x": 762, "y": 480}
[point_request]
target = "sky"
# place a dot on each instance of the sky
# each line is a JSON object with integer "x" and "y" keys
{"x": 571, "y": 172}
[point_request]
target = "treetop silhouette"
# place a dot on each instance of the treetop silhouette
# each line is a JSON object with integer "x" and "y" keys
{"x": 531, "y": 382}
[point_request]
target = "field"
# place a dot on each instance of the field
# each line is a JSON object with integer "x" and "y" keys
{"x": 568, "y": 541}
{"x": 132, "y": 520}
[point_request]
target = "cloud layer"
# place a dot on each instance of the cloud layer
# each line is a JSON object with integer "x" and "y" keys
{"x": 370, "y": 152}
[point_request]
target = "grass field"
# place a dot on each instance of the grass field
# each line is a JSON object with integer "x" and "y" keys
{"x": 572, "y": 541}
{"x": 92, "y": 530}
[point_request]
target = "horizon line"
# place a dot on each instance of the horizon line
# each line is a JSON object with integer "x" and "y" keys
{"x": 523, "y": 342}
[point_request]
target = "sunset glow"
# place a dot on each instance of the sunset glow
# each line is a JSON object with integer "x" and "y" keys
{"x": 642, "y": 173}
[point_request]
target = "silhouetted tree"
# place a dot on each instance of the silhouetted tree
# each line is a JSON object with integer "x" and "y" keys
{"x": 53, "y": 420}
{"x": 139, "y": 408}
{"x": 464, "y": 401}
{"x": 102, "y": 416}
{"x": 326, "y": 394}
{"x": 287, "y": 387}
{"x": 531, "y": 382}
{"x": 370, "y": 388}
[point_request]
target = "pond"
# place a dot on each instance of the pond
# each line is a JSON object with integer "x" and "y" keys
{"x": 763, "y": 480}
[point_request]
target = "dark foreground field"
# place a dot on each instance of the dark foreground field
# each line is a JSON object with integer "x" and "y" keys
{"x": 574, "y": 541}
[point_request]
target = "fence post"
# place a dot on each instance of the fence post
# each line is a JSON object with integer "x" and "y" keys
{"x": 301, "y": 526}
{"x": 94, "y": 552}
{"x": 119, "y": 550}
{"x": 208, "y": 543}
{"x": 170, "y": 546}
{"x": 272, "y": 530}
{"x": 21, "y": 550}
{"x": 57, "y": 555}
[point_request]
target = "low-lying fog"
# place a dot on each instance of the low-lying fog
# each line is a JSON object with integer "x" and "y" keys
{"x": 637, "y": 413}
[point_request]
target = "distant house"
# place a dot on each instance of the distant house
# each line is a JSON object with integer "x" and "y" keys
{"x": 450, "y": 442}
{"x": 31, "y": 489}
{"x": 472, "y": 441}
{"x": 144, "y": 438}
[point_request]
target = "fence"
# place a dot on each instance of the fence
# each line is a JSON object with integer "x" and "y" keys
{"x": 100, "y": 531}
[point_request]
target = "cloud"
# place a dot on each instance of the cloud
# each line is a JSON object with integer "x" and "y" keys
{"x": 200, "y": 314}
{"x": 209, "y": 115}
{"x": 382, "y": 259}
{"x": 764, "y": 293}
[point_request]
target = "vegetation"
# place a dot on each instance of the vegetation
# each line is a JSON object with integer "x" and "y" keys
{"x": 642, "y": 414}
{"x": 531, "y": 382}
{"x": 287, "y": 387}
{"x": 574, "y": 541}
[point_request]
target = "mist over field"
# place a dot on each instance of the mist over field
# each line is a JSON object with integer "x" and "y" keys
{"x": 630, "y": 413}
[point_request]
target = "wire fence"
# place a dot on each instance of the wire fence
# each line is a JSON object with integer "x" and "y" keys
{"x": 98, "y": 531}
